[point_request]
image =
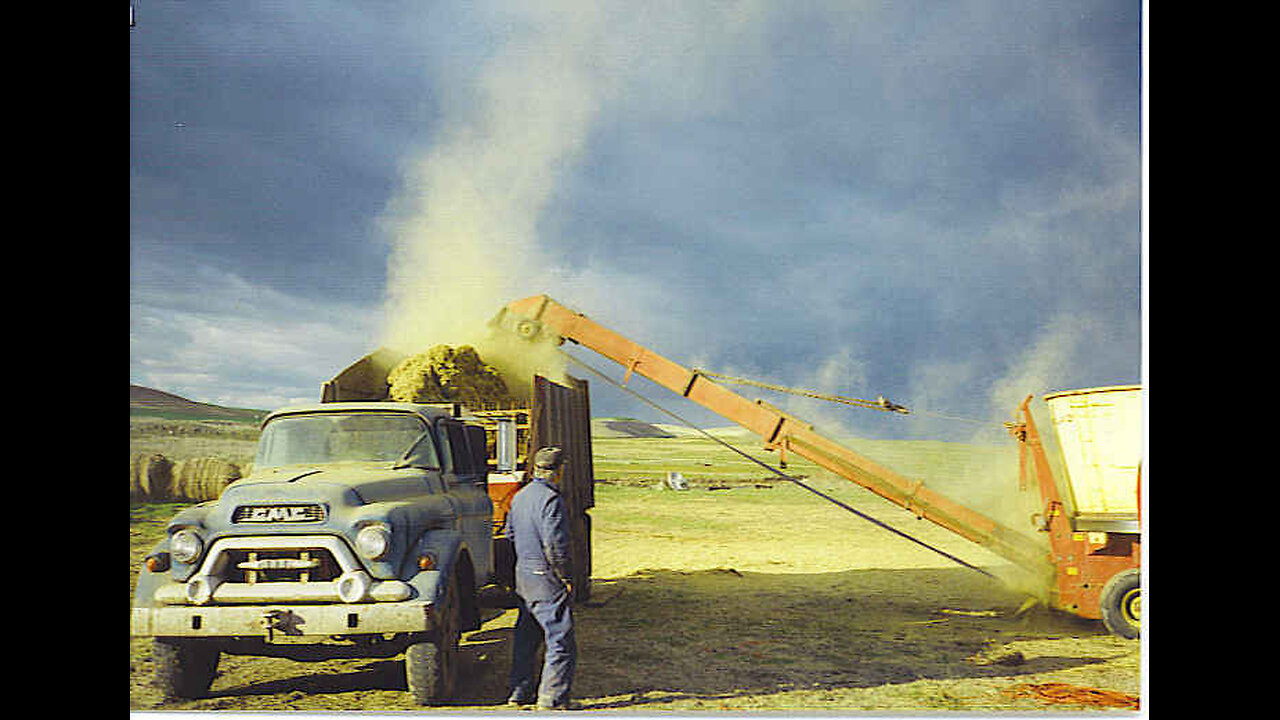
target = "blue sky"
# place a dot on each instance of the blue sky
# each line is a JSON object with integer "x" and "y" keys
{"x": 940, "y": 203}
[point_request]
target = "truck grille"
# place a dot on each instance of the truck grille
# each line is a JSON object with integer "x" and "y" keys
{"x": 284, "y": 565}
{"x": 278, "y": 513}
{"x": 282, "y": 568}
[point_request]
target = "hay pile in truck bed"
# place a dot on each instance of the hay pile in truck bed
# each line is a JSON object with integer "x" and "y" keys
{"x": 447, "y": 374}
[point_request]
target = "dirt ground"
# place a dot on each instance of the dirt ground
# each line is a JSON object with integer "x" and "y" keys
{"x": 745, "y": 599}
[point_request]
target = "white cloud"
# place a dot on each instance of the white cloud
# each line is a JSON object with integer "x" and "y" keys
{"x": 465, "y": 224}
{"x": 218, "y": 338}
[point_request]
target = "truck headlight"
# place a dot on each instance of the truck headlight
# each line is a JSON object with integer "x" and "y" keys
{"x": 373, "y": 541}
{"x": 185, "y": 546}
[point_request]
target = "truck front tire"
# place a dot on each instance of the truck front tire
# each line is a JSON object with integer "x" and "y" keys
{"x": 184, "y": 668}
{"x": 431, "y": 667}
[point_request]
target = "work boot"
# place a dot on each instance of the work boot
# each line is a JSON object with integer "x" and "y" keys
{"x": 518, "y": 699}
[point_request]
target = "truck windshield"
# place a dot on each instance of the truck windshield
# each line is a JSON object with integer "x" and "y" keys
{"x": 339, "y": 437}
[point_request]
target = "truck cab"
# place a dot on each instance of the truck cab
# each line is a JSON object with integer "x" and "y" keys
{"x": 364, "y": 530}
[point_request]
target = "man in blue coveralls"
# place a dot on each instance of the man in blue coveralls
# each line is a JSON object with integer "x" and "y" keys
{"x": 539, "y": 528}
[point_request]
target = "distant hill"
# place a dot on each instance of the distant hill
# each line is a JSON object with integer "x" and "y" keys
{"x": 626, "y": 428}
{"x": 157, "y": 403}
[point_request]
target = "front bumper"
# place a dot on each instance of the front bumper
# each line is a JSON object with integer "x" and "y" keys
{"x": 217, "y": 602}
{"x": 282, "y": 622}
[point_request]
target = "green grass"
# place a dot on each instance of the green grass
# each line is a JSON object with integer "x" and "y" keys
{"x": 701, "y": 457}
{"x": 982, "y": 477}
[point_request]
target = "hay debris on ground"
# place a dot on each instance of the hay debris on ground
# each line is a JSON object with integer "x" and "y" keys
{"x": 447, "y": 374}
{"x": 1063, "y": 693}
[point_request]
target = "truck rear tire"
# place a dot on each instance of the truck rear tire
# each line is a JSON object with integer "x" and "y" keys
{"x": 184, "y": 668}
{"x": 1122, "y": 604}
{"x": 431, "y": 667}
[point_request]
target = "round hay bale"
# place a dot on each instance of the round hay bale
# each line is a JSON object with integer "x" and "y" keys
{"x": 181, "y": 469}
{"x": 200, "y": 479}
{"x": 150, "y": 477}
{"x": 135, "y": 485}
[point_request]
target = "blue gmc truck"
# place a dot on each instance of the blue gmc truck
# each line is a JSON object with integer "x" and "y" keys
{"x": 367, "y": 528}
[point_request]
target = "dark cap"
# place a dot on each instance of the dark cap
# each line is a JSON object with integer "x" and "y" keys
{"x": 548, "y": 458}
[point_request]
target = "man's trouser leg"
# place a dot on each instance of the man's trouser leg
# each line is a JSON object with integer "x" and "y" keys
{"x": 524, "y": 649}
{"x": 556, "y": 618}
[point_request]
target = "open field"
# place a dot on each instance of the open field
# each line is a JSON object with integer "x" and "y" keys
{"x": 183, "y": 440}
{"x": 753, "y": 596}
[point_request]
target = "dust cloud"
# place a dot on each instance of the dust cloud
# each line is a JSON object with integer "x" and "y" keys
{"x": 978, "y": 466}
{"x": 1054, "y": 358}
{"x": 463, "y": 227}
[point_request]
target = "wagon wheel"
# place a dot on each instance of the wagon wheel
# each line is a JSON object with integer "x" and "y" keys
{"x": 1122, "y": 604}
{"x": 431, "y": 667}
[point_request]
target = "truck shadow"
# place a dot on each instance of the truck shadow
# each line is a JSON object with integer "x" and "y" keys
{"x": 318, "y": 678}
